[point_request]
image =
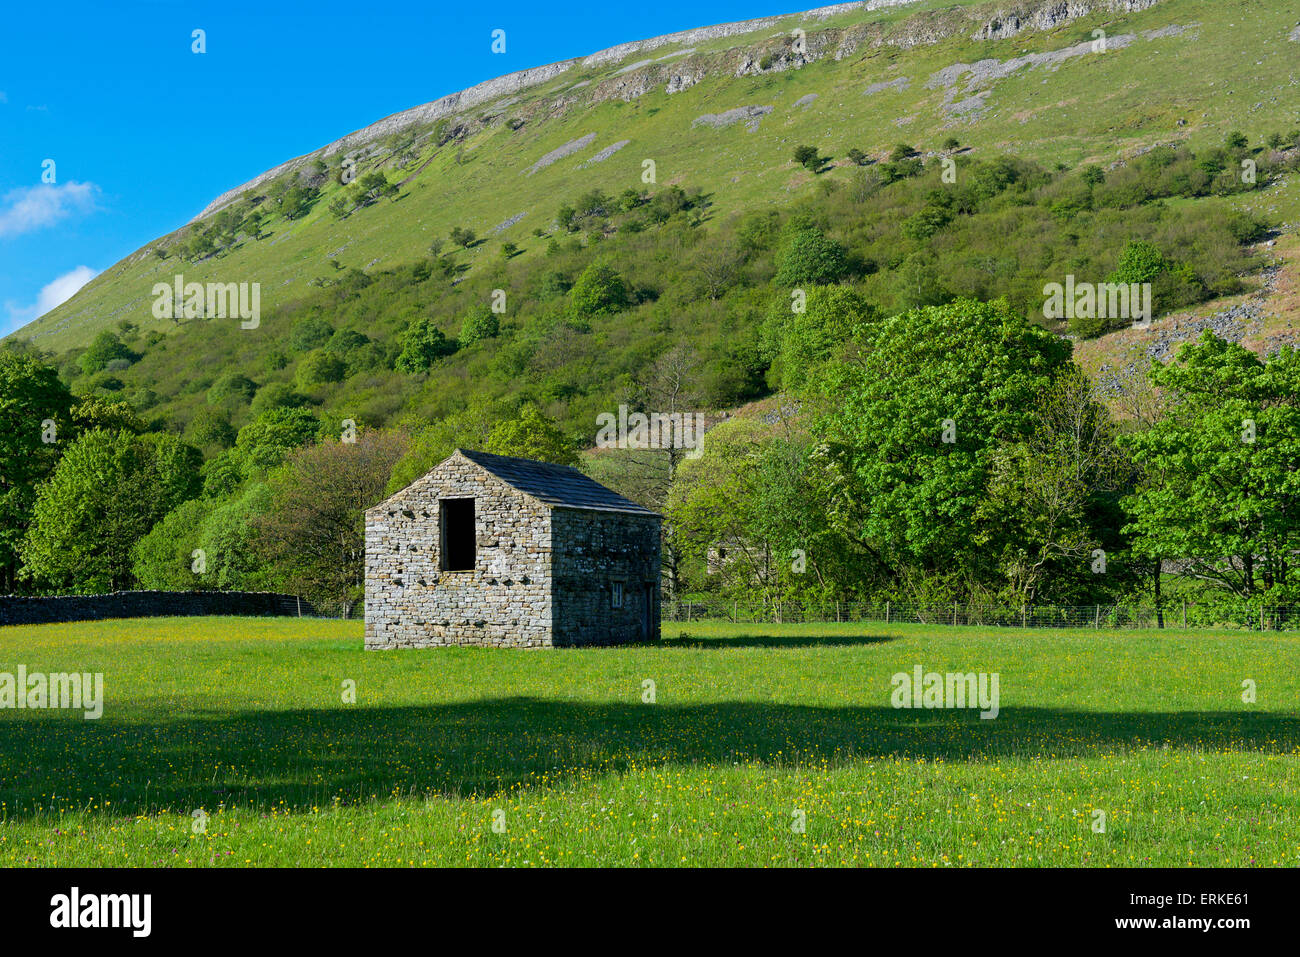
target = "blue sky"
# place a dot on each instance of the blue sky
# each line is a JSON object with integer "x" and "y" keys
{"x": 144, "y": 133}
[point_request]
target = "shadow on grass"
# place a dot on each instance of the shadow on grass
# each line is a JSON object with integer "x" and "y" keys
{"x": 687, "y": 640}
{"x": 307, "y": 758}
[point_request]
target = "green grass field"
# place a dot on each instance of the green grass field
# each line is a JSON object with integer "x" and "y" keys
{"x": 751, "y": 726}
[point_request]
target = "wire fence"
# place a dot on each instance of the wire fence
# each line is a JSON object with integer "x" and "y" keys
{"x": 1174, "y": 615}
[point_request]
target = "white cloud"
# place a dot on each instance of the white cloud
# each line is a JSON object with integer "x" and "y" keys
{"x": 35, "y": 207}
{"x": 63, "y": 289}
{"x": 53, "y": 294}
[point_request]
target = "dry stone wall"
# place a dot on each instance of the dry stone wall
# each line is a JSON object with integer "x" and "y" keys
{"x": 24, "y": 610}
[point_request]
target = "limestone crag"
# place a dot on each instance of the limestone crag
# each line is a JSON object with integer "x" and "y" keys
{"x": 485, "y": 103}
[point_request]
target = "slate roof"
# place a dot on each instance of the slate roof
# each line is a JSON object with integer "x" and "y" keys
{"x": 559, "y": 486}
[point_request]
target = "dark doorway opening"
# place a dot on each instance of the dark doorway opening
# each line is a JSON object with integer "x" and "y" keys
{"x": 457, "y": 534}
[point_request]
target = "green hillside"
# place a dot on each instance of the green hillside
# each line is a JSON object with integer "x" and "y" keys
{"x": 837, "y": 231}
{"x": 1194, "y": 70}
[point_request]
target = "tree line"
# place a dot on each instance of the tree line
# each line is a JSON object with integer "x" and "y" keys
{"x": 932, "y": 436}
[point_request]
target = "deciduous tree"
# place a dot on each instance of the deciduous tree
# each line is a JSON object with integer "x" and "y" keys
{"x": 1222, "y": 488}
{"x": 313, "y": 532}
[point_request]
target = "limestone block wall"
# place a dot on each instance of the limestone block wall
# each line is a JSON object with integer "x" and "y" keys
{"x": 28, "y": 610}
{"x": 593, "y": 550}
{"x": 506, "y": 599}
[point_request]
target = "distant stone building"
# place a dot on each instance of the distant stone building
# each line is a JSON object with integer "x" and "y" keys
{"x": 491, "y": 550}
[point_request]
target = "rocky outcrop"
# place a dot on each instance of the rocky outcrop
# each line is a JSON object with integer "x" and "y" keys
{"x": 1049, "y": 16}
{"x": 721, "y": 31}
{"x": 990, "y": 71}
{"x": 683, "y": 80}
{"x": 751, "y": 116}
{"x": 560, "y": 152}
{"x": 899, "y": 85}
{"x": 682, "y": 69}
{"x": 980, "y": 76}
{"x": 522, "y": 80}
{"x": 605, "y": 154}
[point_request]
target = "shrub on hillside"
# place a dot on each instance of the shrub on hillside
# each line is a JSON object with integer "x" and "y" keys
{"x": 481, "y": 323}
{"x": 96, "y": 412}
{"x": 277, "y": 395}
{"x": 233, "y": 388}
{"x": 599, "y": 291}
{"x": 530, "y": 434}
{"x": 103, "y": 349}
{"x": 809, "y": 258}
{"x": 321, "y": 368}
{"x": 211, "y": 427}
{"x": 807, "y": 157}
{"x": 263, "y": 443}
{"x": 423, "y": 344}
{"x": 346, "y": 341}
{"x": 553, "y": 285}
{"x": 310, "y": 332}
{"x": 925, "y": 222}
{"x": 1139, "y": 262}
{"x": 374, "y": 187}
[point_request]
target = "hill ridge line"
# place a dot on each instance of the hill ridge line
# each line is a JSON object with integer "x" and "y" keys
{"x": 533, "y": 76}
{"x": 1002, "y": 22}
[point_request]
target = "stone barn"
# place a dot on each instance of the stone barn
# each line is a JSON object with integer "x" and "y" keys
{"x": 491, "y": 550}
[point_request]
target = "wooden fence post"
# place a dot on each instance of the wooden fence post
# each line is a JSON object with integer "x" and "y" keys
{"x": 886, "y": 612}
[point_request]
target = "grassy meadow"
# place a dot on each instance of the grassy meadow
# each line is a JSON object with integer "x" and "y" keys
{"x": 753, "y": 729}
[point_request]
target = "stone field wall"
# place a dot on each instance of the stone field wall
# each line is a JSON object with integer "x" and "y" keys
{"x": 24, "y": 610}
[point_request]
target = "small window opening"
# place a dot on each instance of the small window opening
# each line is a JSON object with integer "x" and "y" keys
{"x": 457, "y": 524}
{"x": 616, "y": 595}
